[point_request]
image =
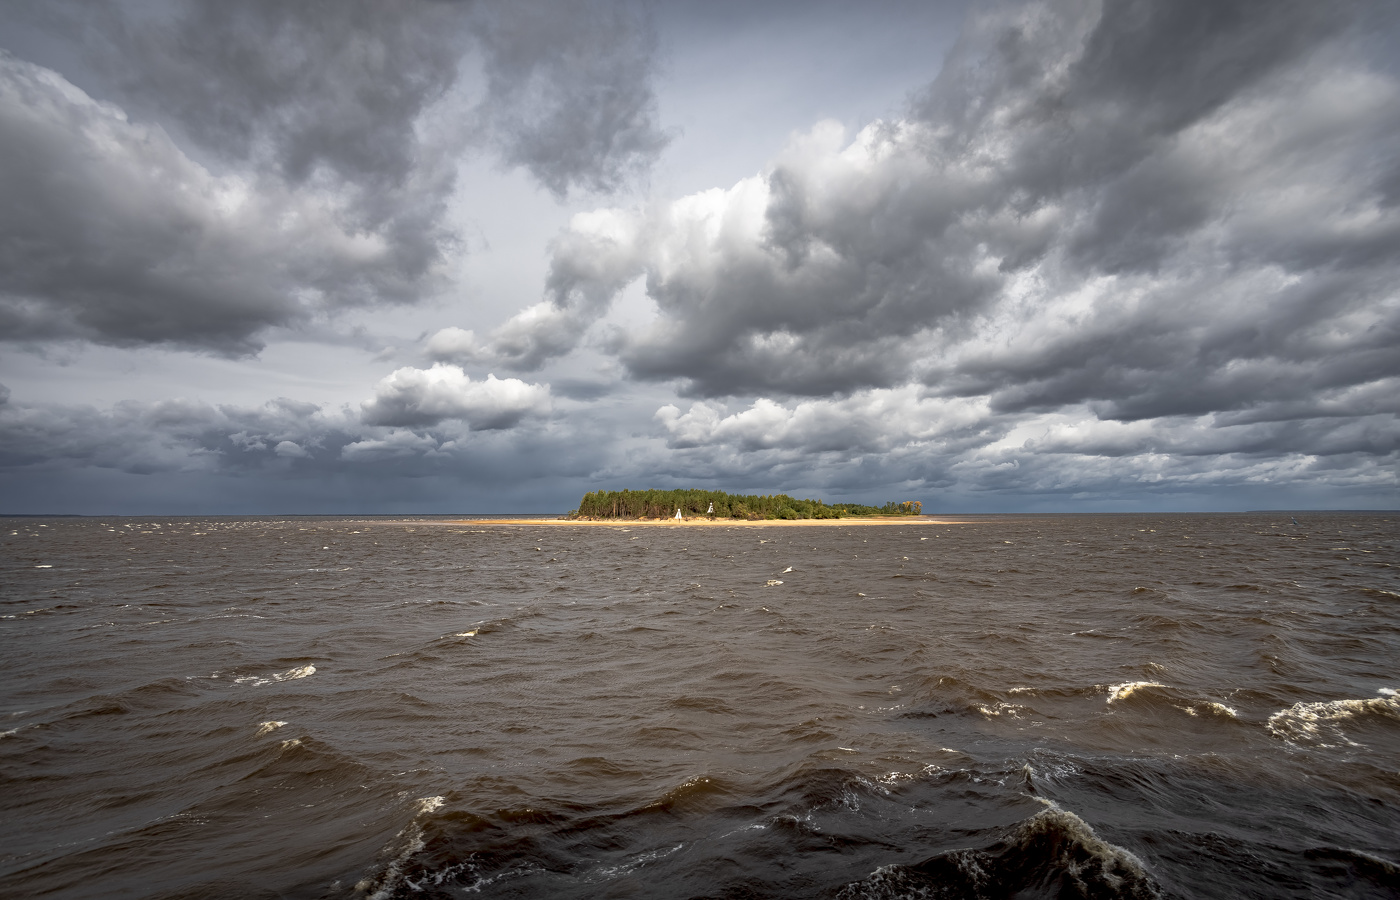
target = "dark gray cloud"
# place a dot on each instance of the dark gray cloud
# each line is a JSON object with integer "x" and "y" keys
{"x": 109, "y": 232}
{"x": 280, "y": 437}
{"x": 185, "y": 456}
{"x": 303, "y": 88}
{"x": 342, "y": 87}
{"x": 168, "y": 436}
{"x": 237, "y": 166}
{"x": 573, "y": 116}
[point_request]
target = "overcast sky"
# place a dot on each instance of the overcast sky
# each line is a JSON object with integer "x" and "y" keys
{"x": 384, "y": 257}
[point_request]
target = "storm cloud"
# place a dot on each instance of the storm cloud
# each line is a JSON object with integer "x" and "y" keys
{"x": 110, "y": 232}
{"x": 264, "y": 164}
{"x": 427, "y": 422}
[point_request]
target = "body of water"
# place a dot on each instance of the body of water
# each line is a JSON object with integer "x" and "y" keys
{"x": 1075, "y": 706}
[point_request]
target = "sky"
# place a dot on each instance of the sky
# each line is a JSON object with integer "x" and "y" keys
{"x": 452, "y": 257}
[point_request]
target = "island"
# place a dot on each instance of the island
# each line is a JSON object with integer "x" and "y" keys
{"x": 718, "y": 505}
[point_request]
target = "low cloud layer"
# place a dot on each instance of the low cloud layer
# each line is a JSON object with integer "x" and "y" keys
{"x": 426, "y": 421}
{"x": 936, "y": 445}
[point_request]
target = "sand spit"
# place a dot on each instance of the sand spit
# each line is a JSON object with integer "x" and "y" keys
{"x": 700, "y": 521}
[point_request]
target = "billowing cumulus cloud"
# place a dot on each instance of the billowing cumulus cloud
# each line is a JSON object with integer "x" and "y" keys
{"x": 428, "y": 396}
{"x": 1156, "y": 206}
{"x": 261, "y": 164}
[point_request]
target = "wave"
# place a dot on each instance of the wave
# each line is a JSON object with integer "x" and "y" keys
{"x": 956, "y": 699}
{"x": 1151, "y": 693}
{"x": 1212, "y": 708}
{"x": 1320, "y": 723}
{"x": 1125, "y": 690}
{"x": 401, "y": 850}
{"x": 1356, "y": 865}
{"x": 1053, "y": 854}
{"x": 289, "y": 675}
{"x": 697, "y": 793}
{"x": 152, "y": 696}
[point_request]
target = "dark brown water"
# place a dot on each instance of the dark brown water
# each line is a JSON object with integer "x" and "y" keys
{"x": 1106, "y": 706}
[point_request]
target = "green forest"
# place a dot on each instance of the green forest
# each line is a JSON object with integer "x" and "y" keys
{"x": 652, "y": 504}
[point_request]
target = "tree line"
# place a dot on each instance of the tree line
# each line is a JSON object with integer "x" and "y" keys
{"x": 652, "y": 504}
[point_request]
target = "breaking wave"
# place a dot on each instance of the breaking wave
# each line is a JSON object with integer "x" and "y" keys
{"x": 1053, "y": 854}
{"x": 1322, "y": 724}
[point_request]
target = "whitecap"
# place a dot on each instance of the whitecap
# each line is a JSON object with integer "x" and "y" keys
{"x": 1319, "y": 722}
{"x": 289, "y": 675}
{"x": 266, "y": 727}
{"x": 1125, "y": 690}
{"x": 1210, "y": 707}
{"x": 1000, "y": 708}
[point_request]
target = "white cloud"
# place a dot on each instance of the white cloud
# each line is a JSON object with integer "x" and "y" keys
{"x": 416, "y": 397}
{"x": 290, "y": 450}
{"x": 454, "y": 344}
{"x": 592, "y": 260}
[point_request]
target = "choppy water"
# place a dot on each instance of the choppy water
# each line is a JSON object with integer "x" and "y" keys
{"x": 1099, "y": 706}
